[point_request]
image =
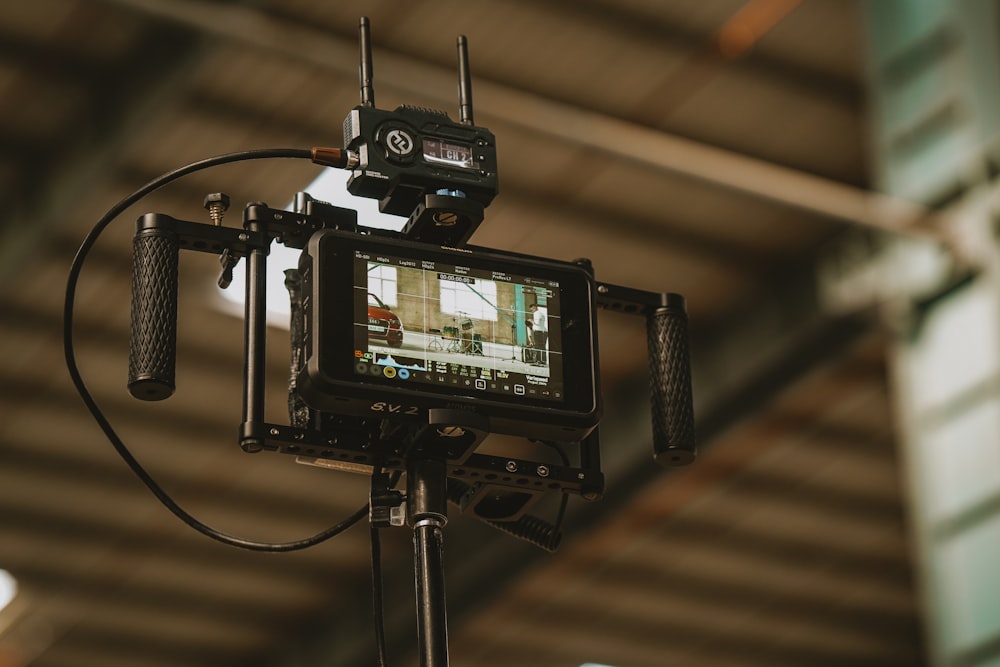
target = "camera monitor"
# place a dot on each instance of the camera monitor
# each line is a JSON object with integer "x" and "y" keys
{"x": 394, "y": 328}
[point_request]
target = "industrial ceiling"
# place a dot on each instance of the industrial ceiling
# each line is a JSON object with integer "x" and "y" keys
{"x": 714, "y": 149}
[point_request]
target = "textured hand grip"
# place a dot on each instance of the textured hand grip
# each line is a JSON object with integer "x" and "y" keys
{"x": 153, "y": 344}
{"x": 670, "y": 383}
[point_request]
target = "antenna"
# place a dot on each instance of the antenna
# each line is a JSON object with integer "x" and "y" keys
{"x": 464, "y": 83}
{"x": 365, "y": 70}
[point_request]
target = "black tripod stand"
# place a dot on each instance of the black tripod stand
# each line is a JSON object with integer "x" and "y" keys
{"x": 426, "y": 483}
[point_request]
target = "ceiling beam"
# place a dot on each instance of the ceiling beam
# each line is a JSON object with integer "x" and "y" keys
{"x": 603, "y": 135}
{"x": 782, "y": 73}
{"x": 116, "y": 111}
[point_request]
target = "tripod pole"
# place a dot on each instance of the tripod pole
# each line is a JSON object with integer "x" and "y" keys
{"x": 427, "y": 499}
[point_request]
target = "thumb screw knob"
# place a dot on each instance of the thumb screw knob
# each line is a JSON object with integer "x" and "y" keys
{"x": 216, "y": 204}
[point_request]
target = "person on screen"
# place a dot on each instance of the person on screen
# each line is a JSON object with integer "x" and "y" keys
{"x": 539, "y": 333}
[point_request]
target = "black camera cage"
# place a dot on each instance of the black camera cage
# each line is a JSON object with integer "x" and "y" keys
{"x": 358, "y": 445}
{"x": 442, "y": 215}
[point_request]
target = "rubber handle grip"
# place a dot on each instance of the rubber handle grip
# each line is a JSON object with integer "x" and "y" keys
{"x": 670, "y": 383}
{"x": 153, "y": 343}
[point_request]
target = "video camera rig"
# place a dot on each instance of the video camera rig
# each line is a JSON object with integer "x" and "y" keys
{"x": 349, "y": 407}
{"x": 372, "y": 390}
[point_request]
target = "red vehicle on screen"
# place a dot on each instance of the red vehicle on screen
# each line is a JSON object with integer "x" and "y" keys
{"x": 383, "y": 323}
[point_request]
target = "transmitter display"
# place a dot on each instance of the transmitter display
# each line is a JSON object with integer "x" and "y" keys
{"x": 478, "y": 331}
{"x": 455, "y": 155}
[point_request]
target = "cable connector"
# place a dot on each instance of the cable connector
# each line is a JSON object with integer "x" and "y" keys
{"x": 387, "y": 506}
{"x": 387, "y": 509}
{"x": 334, "y": 157}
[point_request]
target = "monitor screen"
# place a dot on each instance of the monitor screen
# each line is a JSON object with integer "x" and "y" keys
{"x": 465, "y": 329}
{"x": 396, "y": 328}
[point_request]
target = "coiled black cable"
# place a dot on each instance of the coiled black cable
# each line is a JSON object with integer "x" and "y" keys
{"x": 91, "y": 403}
